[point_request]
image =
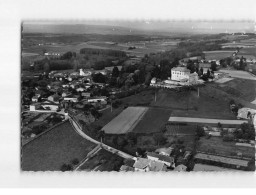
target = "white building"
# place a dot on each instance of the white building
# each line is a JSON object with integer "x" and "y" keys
{"x": 84, "y": 73}
{"x": 97, "y": 99}
{"x": 180, "y": 73}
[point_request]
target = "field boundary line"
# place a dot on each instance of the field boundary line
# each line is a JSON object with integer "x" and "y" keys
{"x": 46, "y": 131}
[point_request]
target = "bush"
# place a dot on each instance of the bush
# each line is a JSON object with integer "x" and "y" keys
{"x": 75, "y": 161}
{"x": 200, "y": 131}
{"x": 66, "y": 167}
{"x": 228, "y": 138}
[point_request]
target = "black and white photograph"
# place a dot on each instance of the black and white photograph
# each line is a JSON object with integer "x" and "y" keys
{"x": 118, "y": 93}
{"x": 138, "y": 96}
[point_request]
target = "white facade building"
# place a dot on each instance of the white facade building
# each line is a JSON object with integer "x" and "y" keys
{"x": 180, "y": 73}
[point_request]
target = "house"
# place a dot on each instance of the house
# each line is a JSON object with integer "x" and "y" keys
{"x": 86, "y": 94}
{"x": 145, "y": 165}
{"x": 205, "y": 67}
{"x": 193, "y": 78}
{"x": 167, "y": 160}
{"x": 64, "y": 94}
{"x": 34, "y": 107}
{"x": 47, "y": 105}
{"x": 153, "y": 81}
{"x": 180, "y": 168}
{"x": 180, "y": 73}
{"x": 245, "y": 113}
{"x": 54, "y": 98}
{"x": 97, "y": 99}
{"x": 80, "y": 89}
{"x": 35, "y": 98}
{"x": 125, "y": 168}
{"x": 142, "y": 165}
{"x": 71, "y": 98}
{"x": 84, "y": 73}
{"x": 157, "y": 166}
{"x": 164, "y": 151}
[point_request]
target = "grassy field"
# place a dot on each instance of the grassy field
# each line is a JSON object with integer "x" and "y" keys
{"x": 248, "y": 51}
{"x": 125, "y": 121}
{"x": 241, "y": 88}
{"x": 103, "y": 161}
{"x": 217, "y": 55}
{"x": 56, "y": 147}
{"x": 152, "y": 121}
{"x": 188, "y": 104}
{"x": 217, "y": 146}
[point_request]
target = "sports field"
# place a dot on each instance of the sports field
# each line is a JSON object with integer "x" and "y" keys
{"x": 125, "y": 121}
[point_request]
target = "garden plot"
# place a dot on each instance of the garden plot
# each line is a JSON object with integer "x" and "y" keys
{"x": 125, "y": 121}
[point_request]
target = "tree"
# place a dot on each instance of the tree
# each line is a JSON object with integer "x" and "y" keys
{"x": 115, "y": 72}
{"x": 75, "y": 161}
{"x": 160, "y": 139}
{"x": 131, "y": 138}
{"x": 99, "y": 78}
{"x": 213, "y": 66}
{"x": 66, "y": 167}
{"x": 200, "y": 131}
{"x": 208, "y": 73}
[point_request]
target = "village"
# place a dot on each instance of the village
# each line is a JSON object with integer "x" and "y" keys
{"x": 134, "y": 116}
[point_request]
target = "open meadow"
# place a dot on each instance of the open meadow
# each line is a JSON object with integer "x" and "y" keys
{"x": 217, "y": 55}
{"x": 54, "y": 148}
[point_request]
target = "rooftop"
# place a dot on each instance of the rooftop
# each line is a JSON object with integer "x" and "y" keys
{"x": 182, "y": 69}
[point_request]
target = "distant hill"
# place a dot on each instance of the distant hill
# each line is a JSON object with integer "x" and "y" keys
{"x": 167, "y": 28}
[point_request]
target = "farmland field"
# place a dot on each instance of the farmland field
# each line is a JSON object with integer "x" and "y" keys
{"x": 188, "y": 104}
{"x": 239, "y": 74}
{"x": 215, "y": 145}
{"x": 54, "y": 148}
{"x": 125, "y": 121}
{"x": 241, "y": 88}
{"x": 152, "y": 121}
{"x": 217, "y": 55}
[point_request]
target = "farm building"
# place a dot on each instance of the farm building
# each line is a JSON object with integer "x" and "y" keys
{"x": 71, "y": 98}
{"x": 206, "y": 121}
{"x": 245, "y": 113}
{"x": 221, "y": 161}
{"x": 125, "y": 121}
{"x": 35, "y": 98}
{"x": 205, "y": 67}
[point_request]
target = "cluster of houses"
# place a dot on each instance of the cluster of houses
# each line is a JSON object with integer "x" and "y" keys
{"x": 160, "y": 160}
{"x": 75, "y": 81}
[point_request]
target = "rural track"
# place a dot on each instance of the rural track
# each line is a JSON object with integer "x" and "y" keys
{"x": 102, "y": 145}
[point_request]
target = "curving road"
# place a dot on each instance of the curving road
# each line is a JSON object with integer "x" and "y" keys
{"x": 104, "y": 146}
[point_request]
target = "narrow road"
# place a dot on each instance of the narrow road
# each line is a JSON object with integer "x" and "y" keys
{"x": 104, "y": 146}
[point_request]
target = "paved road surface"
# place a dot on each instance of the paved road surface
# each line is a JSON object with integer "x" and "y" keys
{"x": 104, "y": 146}
{"x": 205, "y": 120}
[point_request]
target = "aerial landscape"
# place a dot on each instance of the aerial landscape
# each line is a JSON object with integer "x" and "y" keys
{"x": 138, "y": 96}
